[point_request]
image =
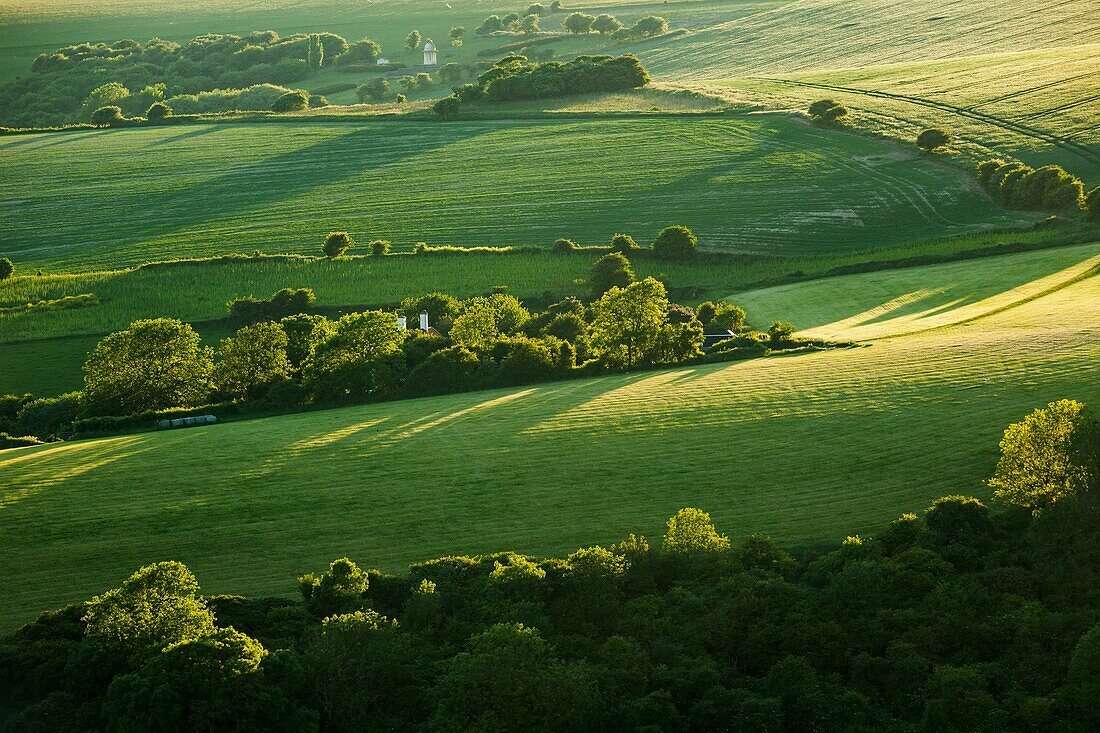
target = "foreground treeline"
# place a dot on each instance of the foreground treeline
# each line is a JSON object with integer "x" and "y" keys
{"x": 967, "y": 618}
{"x": 284, "y": 356}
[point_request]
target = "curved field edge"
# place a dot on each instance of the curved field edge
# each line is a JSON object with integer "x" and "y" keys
{"x": 806, "y": 448}
{"x": 887, "y": 304}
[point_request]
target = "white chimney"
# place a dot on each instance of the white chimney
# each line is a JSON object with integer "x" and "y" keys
{"x": 424, "y": 320}
{"x": 402, "y": 322}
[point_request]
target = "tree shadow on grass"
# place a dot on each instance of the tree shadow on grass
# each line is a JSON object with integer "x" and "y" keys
{"x": 56, "y": 138}
{"x": 256, "y": 187}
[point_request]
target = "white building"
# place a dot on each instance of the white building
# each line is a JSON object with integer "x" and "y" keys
{"x": 382, "y": 61}
{"x": 430, "y": 57}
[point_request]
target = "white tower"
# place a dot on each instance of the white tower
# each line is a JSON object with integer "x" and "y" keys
{"x": 429, "y": 53}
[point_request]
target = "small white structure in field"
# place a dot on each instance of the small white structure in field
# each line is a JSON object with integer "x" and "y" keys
{"x": 430, "y": 58}
{"x": 382, "y": 61}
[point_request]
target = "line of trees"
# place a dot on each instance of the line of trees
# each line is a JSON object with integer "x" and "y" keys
{"x": 969, "y": 618}
{"x": 1020, "y": 186}
{"x": 284, "y": 356}
{"x": 71, "y": 83}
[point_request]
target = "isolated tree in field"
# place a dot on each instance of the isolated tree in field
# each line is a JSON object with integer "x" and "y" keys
{"x": 613, "y": 270}
{"x": 456, "y": 33}
{"x": 152, "y": 365}
{"x": 537, "y": 9}
{"x": 407, "y": 82}
{"x": 158, "y": 111}
{"x": 401, "y": 99}
{"x": 447, "y": 108}
{"x": 675, "y": 243}
{"x": 1048, "y": 456}
{"x": 579, "y": 22}
{"x": 158, "y": 604}
{"x": 412, "y": 41}
{"x": 557, "y": 6}
{"x": 337, "y": 243}
{"x": 251, "y": 361}
{"x": 7, "y": 268}
{"x": 379, "y": 247}
{"x": 605, "y": 24}
{"x": 376, "y": 89}
{"x": 107, "y": 116}
{"x": 450, "y": 72}
{"x": 932, "y": 139}
{"x": 291, "y": 102}
{"x": 628, "y": 322}
{"x": 690, "y": 530}
{"x": 422, "y": 80}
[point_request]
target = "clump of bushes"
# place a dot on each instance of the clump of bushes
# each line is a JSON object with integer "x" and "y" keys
{"x": 675, "y": 243}
{"x": 336, "y": 244}
{"x": 286, "y": 302}
{"x": 7, "y": 268}
{"x": 291, "y": 102}
{"x": 827, "y": 110}
{"x": 1020, "y": 186}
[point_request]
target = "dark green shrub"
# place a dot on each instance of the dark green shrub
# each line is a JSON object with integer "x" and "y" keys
{"x": 623, "y": 243}
{"x": 447, "y": 370}
{"x": 986, "y": 169}
{"x": 12, "y": 441}
{"x": 675, "y": 243}
{"x": 379, "y": 247}
{"x": 158, "y": 111}
{"x": 7, "y": 268}
{"x": 109, "y": 116}
{"x": 1090, "y": 203}
{"x": 447, "y": 108}
{"x": 337, "y": 243}
{"x": 524, "y": 360}
{"x": 827, "y": 110}
{"x": 291, "y": 102}
{"x": 933, "y": 138}
{"x": 958, "y": 520}
{"x": 610, "y": 271}
{"x": 49, "y": 417}
{"x": 560, "y": 245}
{"x": 284, "y": 303}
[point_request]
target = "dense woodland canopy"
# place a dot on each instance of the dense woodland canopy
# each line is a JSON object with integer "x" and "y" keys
{"x": 964, "y": 618}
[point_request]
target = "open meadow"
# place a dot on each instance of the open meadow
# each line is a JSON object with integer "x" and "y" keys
{"x": 805, "y": 448}
{"x": 756, "y": 184}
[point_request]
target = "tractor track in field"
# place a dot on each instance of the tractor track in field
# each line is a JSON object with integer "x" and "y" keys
{"x": 1081, "y": 151}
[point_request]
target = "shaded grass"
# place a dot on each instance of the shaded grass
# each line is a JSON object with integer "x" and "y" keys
{"x": 754, "y": 184}
{"x": 806, "y": 448}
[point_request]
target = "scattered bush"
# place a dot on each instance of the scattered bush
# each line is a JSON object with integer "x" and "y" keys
{"x": 675, "y": 243}
{"x": 379, "y": 247}
{"x": 336, "y": 244}
{"x": 515, "y": 78}
{"x": 781, "y": 332}
{"x": 11, "y": 441}
{"x": 932, "y": 139}
{"x": 1090, "y": 203}
{"x": 645, "y": 27}
{"x": 623, "y": 243}
{"x": 376, "y": 89}
{"x": 447, "y": 108}
{"x": 827, "y": 110}
{"x": 7, "y": 268}
{"x": 284, "y": 303}
{"x": 560, "y": 245}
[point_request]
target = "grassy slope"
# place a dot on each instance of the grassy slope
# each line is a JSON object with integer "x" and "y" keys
{"x": 879, "y": 304}
{"x": 806, "y": 448}
{"x": 757, "y": 183}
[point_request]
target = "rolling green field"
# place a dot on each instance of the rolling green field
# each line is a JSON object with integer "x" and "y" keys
{"x": 755, "y": 183}
{"x": 807, "y": 448}
{"x": 877, "y": 305}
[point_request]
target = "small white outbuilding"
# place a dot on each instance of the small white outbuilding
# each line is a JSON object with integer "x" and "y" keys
{"x": 430, "y": 56}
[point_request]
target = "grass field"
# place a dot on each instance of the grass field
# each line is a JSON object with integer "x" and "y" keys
{"x": 806, "y": 448}
{"x": 754, "y": 183}
{"x": 881, "y": 304}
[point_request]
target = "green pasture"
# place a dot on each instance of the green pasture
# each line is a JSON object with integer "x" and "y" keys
{"x": 807, "y": 448}
{"x": 767, "y": 184}
{"x": 888, "y": 303}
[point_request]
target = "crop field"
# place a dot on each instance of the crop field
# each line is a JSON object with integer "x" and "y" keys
{"x": 806, "y": 448}
{"x": 767, "y": 184}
